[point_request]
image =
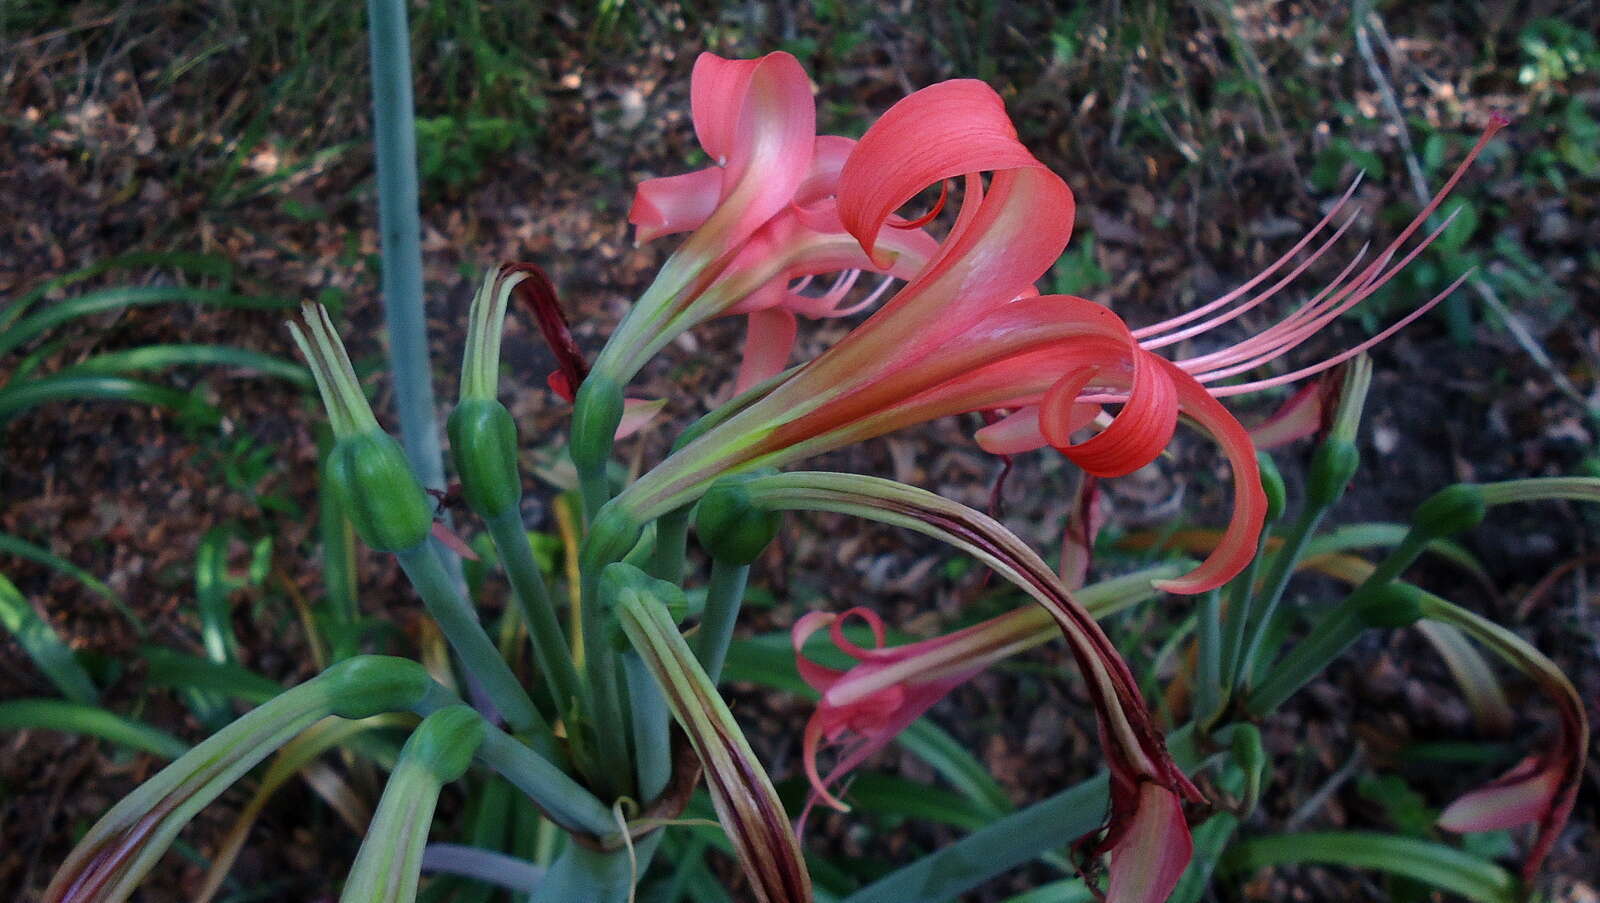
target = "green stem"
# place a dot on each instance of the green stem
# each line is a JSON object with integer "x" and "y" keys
{"x": 724, "y": 596}
{"x": 1337, "y": 629}
{"x": 1208, "y": 689}
{"x": 672, "y": 538}
{"x": 607, "y": 726}
{"x": 1240, "y": 592}
{"x": 580, "y": 873}
{"x": 477, "y": 652}
{"x": 1263, "y": 606}
{"x": 550, "y": 650}
{"x": 401, "y": 233}
{"x": 651, "y": 721}
{"x": 563, "y": 799}
{"x": 1326, "y": 642}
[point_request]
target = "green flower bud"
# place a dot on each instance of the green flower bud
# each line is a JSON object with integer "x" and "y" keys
{"x": 386, "y": 504}
{"x": 595, "y": 417}
{"x": 370, "y": 685}
{"x": 1391, "y": 605}
{"x": 483, "y": 442}
{"x": 1272, "y": 484}
{"x": 445, "y": 742}
{"x": 1332, "y": 468}
{"x": 1452, "y": 509}
{"x": 730, "y": 525}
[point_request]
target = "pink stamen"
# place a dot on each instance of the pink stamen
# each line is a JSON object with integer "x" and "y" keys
{"x": 1208, "y": 307}
{"x": 1241, "y": 309}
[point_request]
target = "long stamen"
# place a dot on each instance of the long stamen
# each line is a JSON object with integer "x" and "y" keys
{"x": 1241, "y": 309}
{"x": 1334, "y": 307}
{"x": 1158, "y": 328}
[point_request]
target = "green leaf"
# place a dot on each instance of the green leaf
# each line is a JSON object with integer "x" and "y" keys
{"x": 956, "y": 764}
{"x": 77, "y": 718}
{"x": 160, "y": 357}
{"x": 21, "y": 548}
{"x": 214, "y": 265}
{"x": 44, "y": 645}
{"x": 1443, "y": 867}
{"x": 61, "y": 312}
{"x": 17, "y": 398}
{"x": 177, "y": 670}
{"x": 896, "y": 796}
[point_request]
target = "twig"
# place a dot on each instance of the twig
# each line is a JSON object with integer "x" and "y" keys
{"x": 1316, "y": 801}
{"x": 1529, "y": 344}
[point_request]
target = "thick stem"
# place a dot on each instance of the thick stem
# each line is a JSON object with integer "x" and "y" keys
{"x": 400, "y": 229}
{"x": 1326, "y": 642}
{"x": 467, "y": 637}
{"x": 724, "y": 596}
{"x": 1208, "y": 689}
{"x": 567, "y": 803}
{"x": 580, "y": 873}
{"x": 550, "y": 650}
{"x": 651, "y": 721}
{"x": 1240, "y": 592}
{"x": 672, "y": 537}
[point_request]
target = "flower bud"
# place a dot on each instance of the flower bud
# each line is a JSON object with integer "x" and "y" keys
{"x": 731, "y": 526}
{"x": 445, "y": 742}
{"x": 386, "y": 504}
{"x": 369, "y": 685}
{"x": 595, "y": 417}
{"x": 483, "y": 442}
{"x": 1391, "y": 605}
{"x": 1332, "y": 468}
{"x": 1452, "y": 509}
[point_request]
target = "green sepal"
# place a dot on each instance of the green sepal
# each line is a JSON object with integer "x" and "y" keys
{"x": 1332, "y": 467}
{"x": 731, "y": 526}
{"x": 1453, "y": 509}
{"x": 483, "y": 442}
{"x": 387, "y": 506}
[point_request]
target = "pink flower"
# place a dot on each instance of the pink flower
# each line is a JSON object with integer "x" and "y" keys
{"x": 761, "y": 217}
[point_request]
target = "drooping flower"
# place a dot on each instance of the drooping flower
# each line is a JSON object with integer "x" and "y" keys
{"x": 892, "y": 687}
{"x": 761, "y": 217}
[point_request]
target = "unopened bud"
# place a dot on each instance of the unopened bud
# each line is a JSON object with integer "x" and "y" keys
{"x": 1272, "y": 484}
{"x": 1332, "y": 468}
{"x": 387, "y": 506}
{"x": 483, "y": 442}
{"x": 730, "y": 525}
{"x": 1391, "y": 605}
{"x": 1451, "y": 510}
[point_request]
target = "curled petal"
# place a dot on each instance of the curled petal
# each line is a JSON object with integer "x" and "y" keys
{"x": 1299, "y": 417}
{"x": 637, "y": 413}
{"x": 950, "y": 129}
{"x": 757, "y": 119}
{"x": 1151, "y": 853}
{"x": 1238, "y": 543}
{"x": 1019, "y": 431}
{"x": 673, "y": 204}
{"x": 1135, "y": 436}
{"x": 1518, "y": 797}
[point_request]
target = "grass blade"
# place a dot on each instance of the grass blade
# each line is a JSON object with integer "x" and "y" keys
{"x": 1443, "y": 867}
{"x": 77, "y": 718}
{"x": 14, "y": 399}
{"x": 160, "y": 357}
{"x": 60, "y": 312}
{"x": 44, "y": 645}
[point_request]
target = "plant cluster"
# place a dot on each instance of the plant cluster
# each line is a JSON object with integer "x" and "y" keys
{"x": 604, "y": 748}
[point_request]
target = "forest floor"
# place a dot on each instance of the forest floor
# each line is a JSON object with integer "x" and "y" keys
{"x": 1200, "y": 143}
